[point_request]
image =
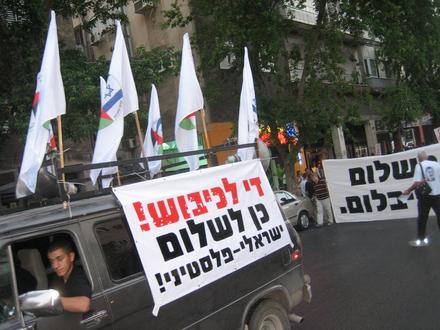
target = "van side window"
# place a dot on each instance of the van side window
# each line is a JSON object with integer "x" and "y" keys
{"x": 7, "y": 306}
{"x": 119, "y": 251}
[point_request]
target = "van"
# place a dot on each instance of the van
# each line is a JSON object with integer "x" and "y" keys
{"x": 260, "y": 295}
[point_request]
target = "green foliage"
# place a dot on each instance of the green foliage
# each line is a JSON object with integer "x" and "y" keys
{"x": 25, "y": 39}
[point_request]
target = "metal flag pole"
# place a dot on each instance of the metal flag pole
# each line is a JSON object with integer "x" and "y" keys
{"x": 141, "y": 142}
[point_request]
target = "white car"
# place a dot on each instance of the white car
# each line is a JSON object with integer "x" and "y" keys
{"x": 299, "y": 211}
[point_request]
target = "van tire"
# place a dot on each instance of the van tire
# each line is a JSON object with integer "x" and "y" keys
{"x": 269, "y": 314}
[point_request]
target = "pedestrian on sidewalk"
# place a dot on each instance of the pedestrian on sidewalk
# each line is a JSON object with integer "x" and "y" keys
{"x": 426, "y": 171}
{"x": 323, "y": 205}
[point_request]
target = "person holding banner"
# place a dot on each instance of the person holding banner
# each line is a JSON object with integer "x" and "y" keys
{"x": 426, "y": 171}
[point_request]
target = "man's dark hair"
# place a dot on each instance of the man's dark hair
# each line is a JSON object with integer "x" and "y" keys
{"x": 60, "y": 244}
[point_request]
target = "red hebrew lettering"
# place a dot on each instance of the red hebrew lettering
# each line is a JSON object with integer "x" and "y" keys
{"x": 165, "y": 216}
{"x": 232, "y": 189}
{"x": 256, "y": 182}
{"x": 183, "y": 207}
{"x": 217, "y": 191}
{"x": 206, "y": 195}
{"x": 247, "y": 187}
{"x": 141, "y": 215}
{"x": 200, "y": 207}
{"x": 145, "y": 227}
{"x": 139, "y": 211}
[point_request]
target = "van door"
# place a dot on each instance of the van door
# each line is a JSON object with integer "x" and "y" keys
{"x": 121, "y": 271}
{"x": 99, "y": 316}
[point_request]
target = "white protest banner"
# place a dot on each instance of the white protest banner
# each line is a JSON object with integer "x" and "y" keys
{"x": 194, "y": 228}
{"x": 368, "y": 188}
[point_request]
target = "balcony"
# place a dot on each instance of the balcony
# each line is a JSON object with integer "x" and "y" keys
{"x": 378, "y": 84}
{"x": 144, "y": 6}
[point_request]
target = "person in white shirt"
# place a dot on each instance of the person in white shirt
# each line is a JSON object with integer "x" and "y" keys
{"x": 431, "y": 175}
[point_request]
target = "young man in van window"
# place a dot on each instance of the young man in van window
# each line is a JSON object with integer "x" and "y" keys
{"x": 70, "y": 280}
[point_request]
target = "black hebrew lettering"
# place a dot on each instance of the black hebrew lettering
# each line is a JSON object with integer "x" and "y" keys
{"x": 216, "y": 256}
{"x": 236, "y": 216}
{"x": 186, "y": 240}
{"x": 254, "y": 217}
{"x": 193, "y": 269}
{"x": 266, "y": 234}
{"x": 160, "y": 282}
{"x": 275, "y": 233}
{"x": 176, "y": 276}
{"x": 206, "y": 264}
{"x": 367, "y": 203}
{"x": 382, "y": 167}
{"x": 404, "y": 171}
{"x": 199, "y": 229}
{"x": 227, "y": 254}
{"x": 167, "y": 277}
{"x": 399, "y": 205}
{"x": 169, "y": 246}
{"x": 354, "y": 204}
{"x": 248, "y": 242}
{"x": 370, "y": 174}
{"x": 261, "y": 208}
{"x": 221, "y": 229}
{"x": 382, "y": 199}
{"x": 357, "y": 176}
{"x": 258, "y": 241}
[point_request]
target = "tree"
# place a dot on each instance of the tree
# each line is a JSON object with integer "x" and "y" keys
{"x": 409, "y": 35}
{"x": 24, "y": 38}
{"x": 315, "y": 101}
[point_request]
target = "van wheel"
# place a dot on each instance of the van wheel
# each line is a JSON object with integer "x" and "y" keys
{"x": 303, "y": 220}
{"x": 269, "y": 315}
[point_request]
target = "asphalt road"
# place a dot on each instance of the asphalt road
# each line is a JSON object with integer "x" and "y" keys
{"x": 366, "y": 276}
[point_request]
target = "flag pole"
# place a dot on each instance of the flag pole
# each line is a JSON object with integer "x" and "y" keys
{"x": 205, "y": 131}
{"x": 139, "y": 132}
{"x": 60, "y": 143}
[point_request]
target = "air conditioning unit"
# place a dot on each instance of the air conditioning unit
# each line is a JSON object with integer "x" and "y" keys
{"x": 143, "y": 6}
{"x": 95, "y": 38}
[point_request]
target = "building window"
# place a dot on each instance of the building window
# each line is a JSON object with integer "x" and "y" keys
{"x": 79, "y": 36}
{"x": 370, "y": 65}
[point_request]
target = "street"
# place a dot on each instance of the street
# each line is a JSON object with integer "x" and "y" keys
{"x": 366, "y": 276}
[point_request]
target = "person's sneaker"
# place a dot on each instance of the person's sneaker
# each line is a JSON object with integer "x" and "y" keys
{"x": 419, "y": 243}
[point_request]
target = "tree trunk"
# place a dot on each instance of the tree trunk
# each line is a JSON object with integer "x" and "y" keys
{"x": 397, "y": 137}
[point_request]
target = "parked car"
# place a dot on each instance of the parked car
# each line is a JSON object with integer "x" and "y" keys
{"x": 299, "y": 211}
{"x": 259, "y": 296}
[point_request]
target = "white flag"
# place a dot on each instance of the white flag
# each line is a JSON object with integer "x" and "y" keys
{"x": 247, "y": 117}
{"x": 190, "y": 101}
{"x": 49, "y": 102}
{"x": 153, "y": 136}
{"x": 117, "y": 100}
{"x": 120, "y": 69}
{"x": 111, "y": 129}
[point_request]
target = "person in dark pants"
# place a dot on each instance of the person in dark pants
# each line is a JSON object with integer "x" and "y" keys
{"x": 430, "y": 174}
{"x": 70, "y": 280}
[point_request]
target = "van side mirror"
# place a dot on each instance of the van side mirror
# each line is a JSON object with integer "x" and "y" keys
{"x": 41, "y": 302}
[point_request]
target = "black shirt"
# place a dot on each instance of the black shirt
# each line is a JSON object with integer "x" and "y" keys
{"x": 77, "y": 284}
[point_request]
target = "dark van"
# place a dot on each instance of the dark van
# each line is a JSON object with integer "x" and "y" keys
{"x": 260, "y": 295}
